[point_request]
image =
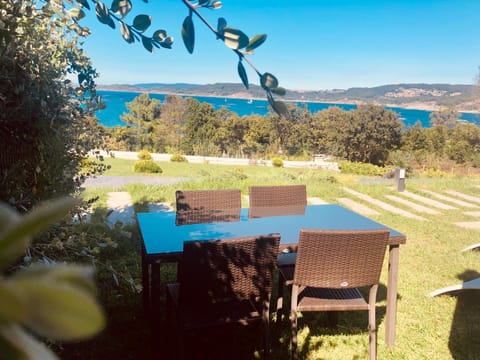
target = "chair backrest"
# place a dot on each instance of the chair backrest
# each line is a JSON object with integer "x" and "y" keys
{"x": 278, "y": 195}
{"x": 340, "y": 258}
{"x": 203, "y": 206}
{"x": 220, "y": 271}
{"x": 220, "y": 199}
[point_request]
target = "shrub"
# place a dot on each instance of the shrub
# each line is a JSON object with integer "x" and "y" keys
{"x": 144, "y": 155}
{"x": 178, "y": 158}
{"x": 277, "y": 162}
{"x": 147, "y": 166}
{"x": 348, "y": 167}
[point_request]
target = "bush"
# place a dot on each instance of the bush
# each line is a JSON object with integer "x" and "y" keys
{"x": 178, "y": 158}
{"x": 144, "y": 155}
{"x": 348, "y": 167}
{"x": 147, "y": 166}
{"x": 277, "y": 162}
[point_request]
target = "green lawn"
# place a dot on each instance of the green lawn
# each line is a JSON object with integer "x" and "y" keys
{"x": 445, "y": 327}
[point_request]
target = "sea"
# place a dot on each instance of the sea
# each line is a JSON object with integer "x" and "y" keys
{"x": 116, "y": 102}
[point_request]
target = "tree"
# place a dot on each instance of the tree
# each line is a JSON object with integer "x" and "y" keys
{"x": 142, "y": 114}
{"x": 44, "y": 133}
{"x": 446, "y": 117}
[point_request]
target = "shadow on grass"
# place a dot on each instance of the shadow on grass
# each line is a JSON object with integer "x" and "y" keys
{"x": 465, "y": 330}
{"x": 323, "y": 323}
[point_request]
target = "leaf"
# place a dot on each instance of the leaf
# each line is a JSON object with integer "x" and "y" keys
{"x": 76, "y": 13}
{"x": 268, "y": 81}
{"x": 278, "y": 106}
{"x": 16, "y": 237}
{"x": 126, "y": 33}
{"x": 167, "y": 43}
{"x": 188, "y": 33}
{"x": 16, "y": 343}
{"x": 221, "y": 24}
{"x": 103, "y": 14}
{"x": 121, "y": 7}
{"x": 147, "y": 43}
{"x": 242, "y": 73}
{"x": 159, "y": 35}
{"x": 142, "y": 22}
{"x": 84, "y": 3}
{"x": 255, "y": 42}
{"x": 279, "y": 91}
{"x": 77, "y": 276}
{"x": 61, "y": 312}
{"x": 234, "y": 38}
{"x": 13, "y": 307}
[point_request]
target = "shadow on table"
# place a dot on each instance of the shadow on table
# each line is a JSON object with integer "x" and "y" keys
{"x": 465, "y": 330}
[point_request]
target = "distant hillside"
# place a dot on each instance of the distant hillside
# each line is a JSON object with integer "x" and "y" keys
{"x": 427, "y": 96}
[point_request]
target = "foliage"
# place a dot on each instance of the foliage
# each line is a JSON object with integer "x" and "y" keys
{"x": 233, "y": 38}
{"x": 349, "y": 167}
{"x": 277, "y": 162}
{"x": 44, "y": 126}
{"x": 147, "y": 166}
{"x": 144, "y": 155}
{"x": 178, "y": 158}
{"x": 446, "y": 117}
{"x": 29, "y": 295}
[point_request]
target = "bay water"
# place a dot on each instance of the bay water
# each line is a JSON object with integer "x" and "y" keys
{"x": 116, "y": 102}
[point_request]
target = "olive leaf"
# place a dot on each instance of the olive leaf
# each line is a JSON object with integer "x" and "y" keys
{"x": 221, "y": 24}
{"x": 126, "y": 33}
{"x": 142, "y": 22}
{"x": 167, "y": 43}
{"x": 255, "y": 42}
{"x": 121, "y": 7}
{"x": 159, "y": 35}
{"x": 268, "y": 81}
{"x": 242, "y": 73}
{"x": 147, "y": 43}
{"x": 188, "y": 33}
{"x": 234, "y": 38}
{"x": 103, "y": 14}
{"x": 84, "y": 3}
{"x": 279, "y": 91}
{"x": 278, "y": 106}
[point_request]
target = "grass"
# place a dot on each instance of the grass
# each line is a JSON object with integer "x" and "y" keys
{"x": 445, "y": 327}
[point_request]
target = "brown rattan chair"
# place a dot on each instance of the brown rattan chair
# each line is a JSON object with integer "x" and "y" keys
{"x": 201, "y": 206}
{"x": 277, "y": 195}
{"x": 282, "y": 198}
{"x": 222, "y": 282}
{"x": 329, "y": 269}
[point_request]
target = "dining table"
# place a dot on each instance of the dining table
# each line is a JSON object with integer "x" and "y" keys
{"x": 164, "y": 232}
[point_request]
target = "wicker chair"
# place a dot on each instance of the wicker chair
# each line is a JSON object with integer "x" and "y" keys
{"x": 288, "y": 197}
{"x": 330, "y": 266}
{"x": 224, "y": 281}
{"x": 201, "y": 206}
{"x": 278, "y": 195}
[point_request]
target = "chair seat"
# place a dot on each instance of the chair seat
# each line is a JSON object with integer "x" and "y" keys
{"x": 229, "y": 311}
{"x": 321, "y": 299}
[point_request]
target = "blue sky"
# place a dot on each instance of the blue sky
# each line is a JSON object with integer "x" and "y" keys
{"x": 311, "y": 44}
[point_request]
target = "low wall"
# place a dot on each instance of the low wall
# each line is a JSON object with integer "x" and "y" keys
{"x": 317, "y": 164}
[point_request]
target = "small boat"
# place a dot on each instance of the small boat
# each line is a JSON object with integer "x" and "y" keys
{"x": 250, "y": 101}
